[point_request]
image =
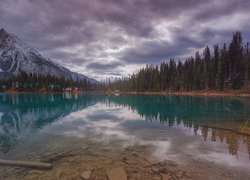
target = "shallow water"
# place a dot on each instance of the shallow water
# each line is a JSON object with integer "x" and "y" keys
{"x": 147, "y": 135}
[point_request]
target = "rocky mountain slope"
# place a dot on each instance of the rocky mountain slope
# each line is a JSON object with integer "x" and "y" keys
{"x": 16, "y": 57}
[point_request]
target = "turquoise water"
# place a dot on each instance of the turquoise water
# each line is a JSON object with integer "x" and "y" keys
{"x": 178, "y": 128}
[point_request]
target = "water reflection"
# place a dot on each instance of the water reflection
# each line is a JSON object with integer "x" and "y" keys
{"x": 162, "y": 121}
{"x": 22, "y": 114}
{"x": 223, "y": 119}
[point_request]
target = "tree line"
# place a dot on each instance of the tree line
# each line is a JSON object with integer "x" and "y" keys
{"x": 222, "y": 68}
{"x": 35, "y": 82}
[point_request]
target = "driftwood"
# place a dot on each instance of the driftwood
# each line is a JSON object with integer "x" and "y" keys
{"x": 26, "y": 164}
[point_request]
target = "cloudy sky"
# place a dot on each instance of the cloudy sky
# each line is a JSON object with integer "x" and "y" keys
{"x": 105, "y": 38}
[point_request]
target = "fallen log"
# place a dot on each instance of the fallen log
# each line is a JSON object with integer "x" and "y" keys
{"x": 36, "y": 165}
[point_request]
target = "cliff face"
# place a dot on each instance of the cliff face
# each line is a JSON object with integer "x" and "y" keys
{"x": 16, "y": 57}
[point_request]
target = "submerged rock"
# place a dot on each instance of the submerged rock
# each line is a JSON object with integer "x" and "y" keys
{"x": 58, "y": 173}
{"x": 155, "y": 169}
{"x": 86, "y": 175}
{"x": 165, "y": 177}
{"x": 179, "y": 174}
{"x": 117, "y": 173}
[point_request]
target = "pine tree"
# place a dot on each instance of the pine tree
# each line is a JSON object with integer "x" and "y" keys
{"x": 207, "y": 59}
{"x": 247, "y": 62}
{"x": 237, "y": 69}
{"x": 215, "y": 65}
{"x": 220, "y": 78}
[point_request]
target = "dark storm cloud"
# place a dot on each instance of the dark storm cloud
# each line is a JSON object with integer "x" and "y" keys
{"x": 156, "y": 51}
{"x": 104, "y": 67}
{"x": 87, "y": 35}
{"x": 216, "y": 9}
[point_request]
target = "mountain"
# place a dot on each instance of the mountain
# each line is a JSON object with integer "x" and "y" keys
{"x": 16, "y": 57}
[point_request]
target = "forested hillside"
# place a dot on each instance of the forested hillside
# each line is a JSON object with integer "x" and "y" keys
{"x": 220, "y": 68}
{"x": 36, "y": 82}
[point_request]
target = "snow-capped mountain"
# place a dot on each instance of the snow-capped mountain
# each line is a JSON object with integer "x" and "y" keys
{"x": 16, "y": 57}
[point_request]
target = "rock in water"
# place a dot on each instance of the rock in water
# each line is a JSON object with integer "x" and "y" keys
{"x": 179, "y": 174}
{"x": 86, "y": 175}
{"x": 117, "y": 174}
{"x": 165, "y": 177}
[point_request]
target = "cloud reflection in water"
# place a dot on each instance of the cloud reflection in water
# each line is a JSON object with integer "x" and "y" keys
{"x": 105, "y": 124}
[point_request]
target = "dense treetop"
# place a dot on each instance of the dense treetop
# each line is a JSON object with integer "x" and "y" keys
{"x": 222, "y": 68}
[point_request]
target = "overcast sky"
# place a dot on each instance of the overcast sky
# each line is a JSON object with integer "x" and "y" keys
{"x": 104, "y": 38}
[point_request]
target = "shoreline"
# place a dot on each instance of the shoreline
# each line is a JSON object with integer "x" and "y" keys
{"x": 181, "y": 93}
{"x": 189, "y": 93}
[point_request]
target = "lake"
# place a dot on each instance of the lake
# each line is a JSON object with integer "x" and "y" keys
{"x": 148, "y": 136}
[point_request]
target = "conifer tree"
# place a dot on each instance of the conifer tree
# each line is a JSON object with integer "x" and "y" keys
{"x": 207, "y": 60}
{"x": 236, "y": 62}
{"x": 227, "y": 68}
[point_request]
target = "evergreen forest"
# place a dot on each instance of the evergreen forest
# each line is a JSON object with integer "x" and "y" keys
{"x": 219, "y": 68}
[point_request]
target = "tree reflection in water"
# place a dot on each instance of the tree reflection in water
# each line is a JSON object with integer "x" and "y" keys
{"x": 222, "y": 119}
{"x": 226, "y": 118}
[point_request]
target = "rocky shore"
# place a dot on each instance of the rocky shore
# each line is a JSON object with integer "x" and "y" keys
{"x": 132, "y": 163}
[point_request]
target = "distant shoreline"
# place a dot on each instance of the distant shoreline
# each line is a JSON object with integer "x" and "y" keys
{"x": 193, "y": 93}
{"x": 184, "y": 93}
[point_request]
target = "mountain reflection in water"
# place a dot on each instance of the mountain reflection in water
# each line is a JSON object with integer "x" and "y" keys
{"x": 225, "y": 119}
{"x": 23, "y": 114}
